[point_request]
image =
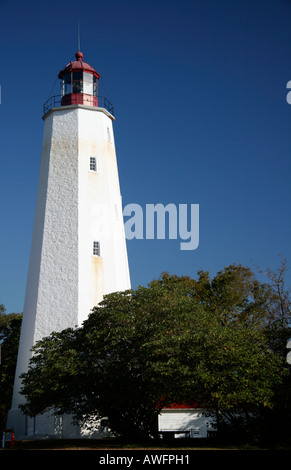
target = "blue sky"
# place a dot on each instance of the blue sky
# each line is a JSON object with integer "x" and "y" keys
{"x": 199, "y": 89}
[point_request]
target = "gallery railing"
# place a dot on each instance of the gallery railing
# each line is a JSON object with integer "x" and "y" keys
{"x": 58, "y": 100}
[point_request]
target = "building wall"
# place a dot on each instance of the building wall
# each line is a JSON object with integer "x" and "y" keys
{"x": 75, "y": 207}
{"x": 100, "y": 213}
{"x": 191, "y": 420}
{"x": 51, "y": 299}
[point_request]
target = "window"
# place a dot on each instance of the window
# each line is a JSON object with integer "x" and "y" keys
{"x": 116, "y": 212}
{"x": 95, "y": 86}
{"x": 77, "y": 83}
{"x": 67, "y": 84}
{"x": 96, "y": 248}
{"x": 93, "y": 164}
{"x": 88, "y": 83}
{"x": 108, "y": 134}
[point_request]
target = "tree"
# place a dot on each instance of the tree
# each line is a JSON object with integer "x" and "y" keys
{"x": 278, "y": 307}
{"x": 10, "y": 325}
{"x": 177, "y": 340}
{"x": 278, "y": 332}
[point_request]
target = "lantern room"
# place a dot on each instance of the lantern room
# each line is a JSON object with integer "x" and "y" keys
{"x": 79, "y": 83}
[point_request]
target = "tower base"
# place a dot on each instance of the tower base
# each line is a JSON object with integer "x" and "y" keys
{"x": 50, "y": 426}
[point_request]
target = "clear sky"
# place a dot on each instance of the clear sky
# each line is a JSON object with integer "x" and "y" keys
{"x": 199, "y": 89}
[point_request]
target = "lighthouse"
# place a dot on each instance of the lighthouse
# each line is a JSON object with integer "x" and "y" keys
{"x": 78, "y": 251}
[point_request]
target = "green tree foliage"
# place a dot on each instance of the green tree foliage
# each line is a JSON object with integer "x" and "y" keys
{"x": 10, "y": 325}
{"x": 178, "y": 340}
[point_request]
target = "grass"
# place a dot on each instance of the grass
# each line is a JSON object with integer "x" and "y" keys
{"x": 115, "y": 444}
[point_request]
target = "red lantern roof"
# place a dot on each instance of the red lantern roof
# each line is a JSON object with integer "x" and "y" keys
{"x": 78, "y": 65}
{"x": 191, "y": 405}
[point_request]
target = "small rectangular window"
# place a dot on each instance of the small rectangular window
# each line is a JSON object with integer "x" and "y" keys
{"x": 67, "y": 84}
{"x": 93, "y": 164}
{"x": 88, "y": 83}
{"x": 77, "y": 83}
{"x": 95, "y": 87}
{"x": 108, "y": 134}
{"x": 96, "y": 248}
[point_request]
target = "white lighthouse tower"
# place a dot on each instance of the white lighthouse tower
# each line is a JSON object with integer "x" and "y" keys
{"x": 78, "y": 251}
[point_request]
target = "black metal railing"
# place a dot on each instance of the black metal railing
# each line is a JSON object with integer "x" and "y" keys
{"x": 56, "y": 102}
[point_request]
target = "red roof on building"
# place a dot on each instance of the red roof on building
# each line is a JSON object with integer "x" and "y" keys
{"x": 78, "y": 65}
{"x": 181, "y": 406}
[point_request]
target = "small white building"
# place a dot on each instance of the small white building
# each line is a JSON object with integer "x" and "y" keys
{"x": 184, "y": 421}
{"x": 78, "y": 251}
